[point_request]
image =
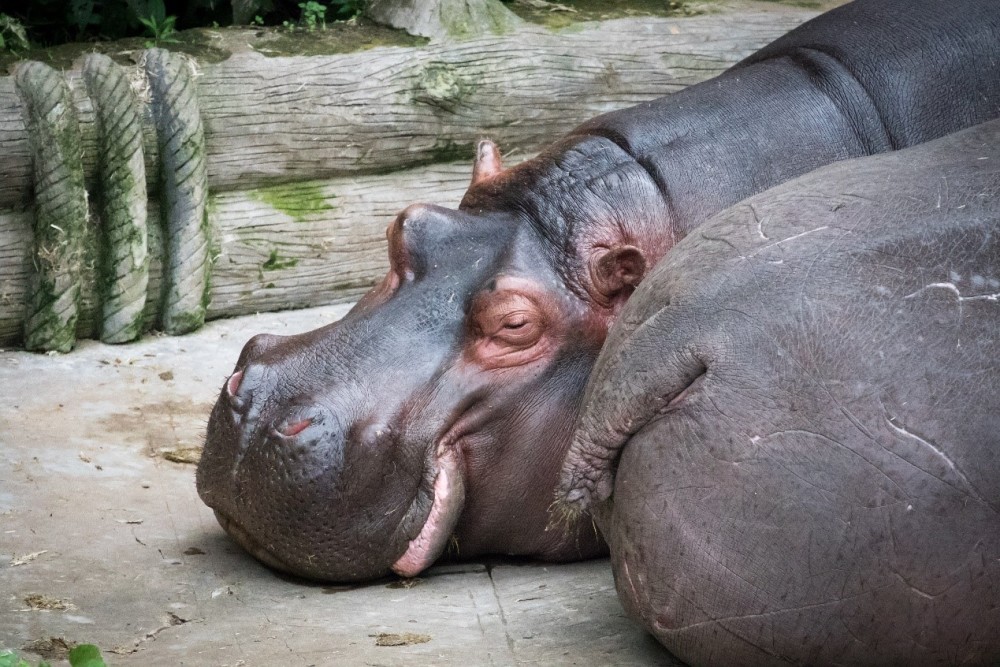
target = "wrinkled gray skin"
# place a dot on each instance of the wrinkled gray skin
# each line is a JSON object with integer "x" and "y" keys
{"x": 439, "y": 410}
{"x": 796, "y": 418}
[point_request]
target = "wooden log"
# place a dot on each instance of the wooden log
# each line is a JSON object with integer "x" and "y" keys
{"x": 121, "y": 199}
{"x": 60, "y": 212}
{"x": 279, "y": 247}
{"x": 284, "y": 119}
{"x": 181, "y": 140}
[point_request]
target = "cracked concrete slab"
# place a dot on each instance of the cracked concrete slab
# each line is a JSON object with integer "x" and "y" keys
{"x": 100, "y": 522}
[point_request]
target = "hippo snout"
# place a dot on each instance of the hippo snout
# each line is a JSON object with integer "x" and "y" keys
{"x": 307, "y": 475}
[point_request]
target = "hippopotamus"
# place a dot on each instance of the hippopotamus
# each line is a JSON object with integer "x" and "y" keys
{"x": 791, "y": 438}
{"x": 436, "y": 415}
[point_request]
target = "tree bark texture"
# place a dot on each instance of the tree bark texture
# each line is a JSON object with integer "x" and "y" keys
{"x": 304, "y": 160}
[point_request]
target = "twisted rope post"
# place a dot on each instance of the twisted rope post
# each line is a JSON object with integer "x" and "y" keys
{"x": 122, "y": 200}
{"x": 184, "y": 175}
{"x": 60, "y": 220}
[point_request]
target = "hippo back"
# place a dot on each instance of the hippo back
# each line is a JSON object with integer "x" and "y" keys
{"x": 797, "y": 414}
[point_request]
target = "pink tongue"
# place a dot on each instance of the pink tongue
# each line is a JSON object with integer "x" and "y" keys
{"x": 449, "y": 496}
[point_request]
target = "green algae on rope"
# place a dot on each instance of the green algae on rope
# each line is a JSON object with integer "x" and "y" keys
{"x": 184, "y": 177}
{"x": 60, "y": 213}
{"x": 122, "y": 199}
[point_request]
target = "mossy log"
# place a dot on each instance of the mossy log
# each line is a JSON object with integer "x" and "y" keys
{"x": 184, "y": 182}
{"x": 279, "y": 247}
{"x": 121, "y": 196}
{"x": 286, "y": 170}
{"x": 283, "y": 119}
{"x": 59, "y": 220}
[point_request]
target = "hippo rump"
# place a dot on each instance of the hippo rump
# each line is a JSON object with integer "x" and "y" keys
{"x": 439, "y": 410}
{"x": 791, "y": 439}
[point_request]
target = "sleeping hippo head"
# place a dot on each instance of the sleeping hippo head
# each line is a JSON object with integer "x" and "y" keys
{"x": 438, "y": 411}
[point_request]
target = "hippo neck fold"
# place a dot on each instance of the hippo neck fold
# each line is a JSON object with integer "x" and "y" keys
{"x": 825, "y": 92}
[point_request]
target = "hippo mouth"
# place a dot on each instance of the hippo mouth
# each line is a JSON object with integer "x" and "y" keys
{"x": 249, "y": 544}
{"x": 449, "y": 498}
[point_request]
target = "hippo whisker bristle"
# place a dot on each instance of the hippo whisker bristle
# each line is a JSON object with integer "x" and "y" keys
{"x": 563, "y": 515}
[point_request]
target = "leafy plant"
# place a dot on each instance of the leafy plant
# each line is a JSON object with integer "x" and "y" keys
{"x": 162, "y": 32}
{"x": 153, "y": 15}
{"x": 313, "y": 15}
{"x": 84, "y": 655}
{"x": 10, "y": 659}
{"x": 13, "y": 38}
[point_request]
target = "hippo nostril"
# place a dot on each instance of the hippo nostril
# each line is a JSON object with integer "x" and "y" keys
{"x": 233, "y": 385}
{"x": 291, "y": 430}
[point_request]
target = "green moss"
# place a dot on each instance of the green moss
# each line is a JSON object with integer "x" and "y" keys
{"x": 60, "y": 221}
{"x": 212, "y": 45}
{"x": 339, "y": 37}
{"x": 442, "y": 85}
{"x": 183, "y": 323}
{"x": 299, "y": 201}
{"x": 275, "y": 262}
{"x": 578, "y": 11}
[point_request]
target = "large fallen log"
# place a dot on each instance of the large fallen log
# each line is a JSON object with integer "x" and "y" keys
{"x": 306, "y": 158}
{"x": 283, "y": 119}
{"x": 279, "y": 247}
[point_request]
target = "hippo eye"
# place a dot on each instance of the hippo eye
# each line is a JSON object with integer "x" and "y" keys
{"x": 508, "y": 324}
{"x": 517, "y": 330}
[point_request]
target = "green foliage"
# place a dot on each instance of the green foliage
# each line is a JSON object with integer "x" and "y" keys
{"x": 10, "y": 659}
{"x": 313, "y": 15}
{"x": 162, "y": 32}
{"x": 13, "y": 38}
{"x": 51, "y": 22}
{"x": 84, "y": 655}
{"x": 152, "y": 14}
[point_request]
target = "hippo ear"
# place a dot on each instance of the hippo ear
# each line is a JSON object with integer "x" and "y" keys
{"x": 615, "y": 272}
{"x": 487, "y": 164}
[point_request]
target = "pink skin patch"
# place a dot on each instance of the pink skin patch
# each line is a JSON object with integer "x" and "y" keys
{"x": 295, "y": 429}
{"x": 233, "y": 385}
{"x": 449, "y": 497}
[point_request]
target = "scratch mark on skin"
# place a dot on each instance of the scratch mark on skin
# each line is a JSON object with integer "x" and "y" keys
{"x": 913, "y": 588}
{"x": 760, "y": 224}
{"x": 952, "y": 288}
{"x": 628, "y": 578}
{"x": 898, "y": 428}
{"x": 766, "y": 614}
{"x": 790, "y": 238}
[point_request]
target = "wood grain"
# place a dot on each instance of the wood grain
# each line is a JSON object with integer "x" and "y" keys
{"x": 284, "y": 119}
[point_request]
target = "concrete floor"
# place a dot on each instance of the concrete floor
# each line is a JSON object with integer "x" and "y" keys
{"x": 99, "y": 525}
